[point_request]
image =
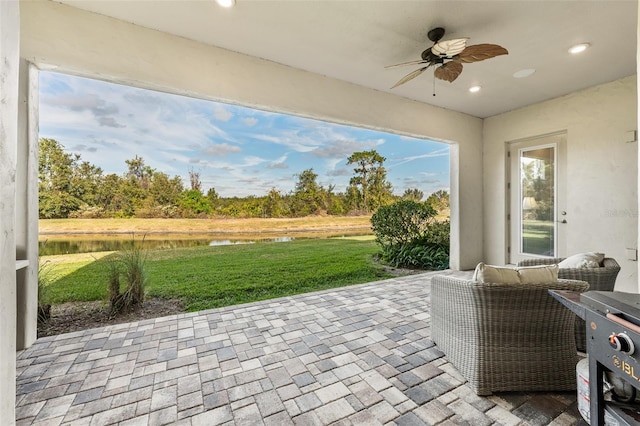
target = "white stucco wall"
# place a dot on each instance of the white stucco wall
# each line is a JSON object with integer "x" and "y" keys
{"x": 9, "y": 52}
{"x": 71, "y": 40}
{"x": 602, "y": 170}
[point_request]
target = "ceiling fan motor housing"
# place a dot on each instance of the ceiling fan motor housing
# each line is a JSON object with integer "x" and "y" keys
{"x": 436, "y": 34}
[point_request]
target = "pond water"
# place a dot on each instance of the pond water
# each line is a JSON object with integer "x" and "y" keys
{"x": 71, "y": 244}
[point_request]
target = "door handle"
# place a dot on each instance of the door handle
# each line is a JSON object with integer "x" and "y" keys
{"x": 562, "y": 221}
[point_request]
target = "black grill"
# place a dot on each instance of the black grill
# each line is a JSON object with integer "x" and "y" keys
{"x": 613, "y": 346}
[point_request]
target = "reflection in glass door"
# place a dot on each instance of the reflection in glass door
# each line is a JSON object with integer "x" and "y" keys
{"x": 538, "y": 200}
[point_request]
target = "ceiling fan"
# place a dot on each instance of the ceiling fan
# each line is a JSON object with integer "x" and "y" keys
{"x": 448, "y": 56}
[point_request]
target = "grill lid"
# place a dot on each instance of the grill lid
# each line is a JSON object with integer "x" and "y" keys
{"x": 625, "y": 305}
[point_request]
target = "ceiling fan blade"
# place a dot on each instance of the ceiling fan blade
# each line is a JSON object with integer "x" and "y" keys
{"x": 410, "y": 76}
{"x": 449, "y": 71}
{"x": 449, "y": 48}
{"x": 388, "y": 67}
{"x": 480, "y": 52}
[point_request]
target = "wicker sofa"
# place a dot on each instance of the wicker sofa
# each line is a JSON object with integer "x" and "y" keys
{"x": 600, "y": 279}
{"x": 505, "y": 337}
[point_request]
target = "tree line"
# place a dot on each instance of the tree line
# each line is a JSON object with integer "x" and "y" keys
{"x": 72, "y": 188}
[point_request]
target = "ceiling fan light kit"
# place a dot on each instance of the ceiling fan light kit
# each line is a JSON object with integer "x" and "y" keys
{"x": 448, "y": 56}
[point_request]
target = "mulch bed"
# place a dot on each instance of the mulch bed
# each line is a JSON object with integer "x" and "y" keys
{"x": 69, "y": 317}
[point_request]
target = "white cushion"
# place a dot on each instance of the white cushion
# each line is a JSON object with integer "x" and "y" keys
{"x": 538, "y": 274}
{"x": 583, "y": 260}
{"x": 495, "y": 274}
{"x": 521, "y": 275}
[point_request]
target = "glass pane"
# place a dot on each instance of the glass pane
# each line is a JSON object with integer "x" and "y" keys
{"x": 537, "y": 183}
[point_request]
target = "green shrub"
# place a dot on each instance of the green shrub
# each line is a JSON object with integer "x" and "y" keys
{"x": 46, "y": 276}
{"x": 411, "y": 237}
{"x": 129, "y": 262}
{"x": 419, "y": 254}
{"x": 402, "y": 222}
{"x": 134, "y": 260}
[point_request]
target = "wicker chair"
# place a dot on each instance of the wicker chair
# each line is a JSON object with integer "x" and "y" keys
{"x": 505, "y": 337}
{"x": 600, "y": 279}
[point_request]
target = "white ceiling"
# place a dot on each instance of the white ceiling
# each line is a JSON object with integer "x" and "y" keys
{"x": 353, "y": 40}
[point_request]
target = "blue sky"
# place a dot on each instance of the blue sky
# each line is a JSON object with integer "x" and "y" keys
{"x": 236, "y": 150}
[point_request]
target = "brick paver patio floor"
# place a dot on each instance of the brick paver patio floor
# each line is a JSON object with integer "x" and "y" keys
{"x": 359, "y": 355}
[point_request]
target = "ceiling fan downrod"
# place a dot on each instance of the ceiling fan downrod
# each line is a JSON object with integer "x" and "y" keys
{"x": 434, "y": 84}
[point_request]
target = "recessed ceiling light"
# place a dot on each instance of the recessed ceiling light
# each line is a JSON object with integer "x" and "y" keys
{"x": 226, "y": 3}
{"x": 524, "y": 73}
{"x": 578, "y": 48}
{"x": 474, "y": 89}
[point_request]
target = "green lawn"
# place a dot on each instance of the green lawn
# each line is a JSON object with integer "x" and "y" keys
{"x": 210, "y": 277}
{"x": 537, "y": 237}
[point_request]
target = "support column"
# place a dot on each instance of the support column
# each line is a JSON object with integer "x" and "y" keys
{"x": 9, "y": 68}
{"x": 26, "y": 221}
{"x": 465, "y": 197}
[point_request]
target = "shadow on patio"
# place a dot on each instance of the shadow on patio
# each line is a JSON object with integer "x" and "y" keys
{"x": 357, "y": 355}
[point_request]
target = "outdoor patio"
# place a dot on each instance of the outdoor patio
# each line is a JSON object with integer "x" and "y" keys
{"x": 358, "y": 355}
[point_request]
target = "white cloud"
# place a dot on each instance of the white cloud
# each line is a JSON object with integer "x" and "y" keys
{"x": 250, "y": 121}
{"x": 290, "y": 140}
{"x": 278, "y": 163}
{"x": 83, "y": 147}
{"x": 251, "y": 160}
{"x": 221, "y": 149}
{"x": 444, "y": 152}
{"x": 340, "y": 172}
{"x": 109, "y": 122}
{"x": 274, "y": 166}
{"x": 101, "y": 110}
{"x": 345, "y": 147}
{"x": 222, "y": 114}
{"x": 127, "y": 114}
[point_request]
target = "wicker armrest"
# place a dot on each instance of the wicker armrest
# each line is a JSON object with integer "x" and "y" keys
{"x": 610, "y": 263}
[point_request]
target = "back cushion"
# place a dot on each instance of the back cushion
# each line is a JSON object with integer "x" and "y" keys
{"x": 495, "y": 274}
{"x": 521, "y": 275}
{"x": 538, "y": 274}
{"x": 583, "y": 260}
